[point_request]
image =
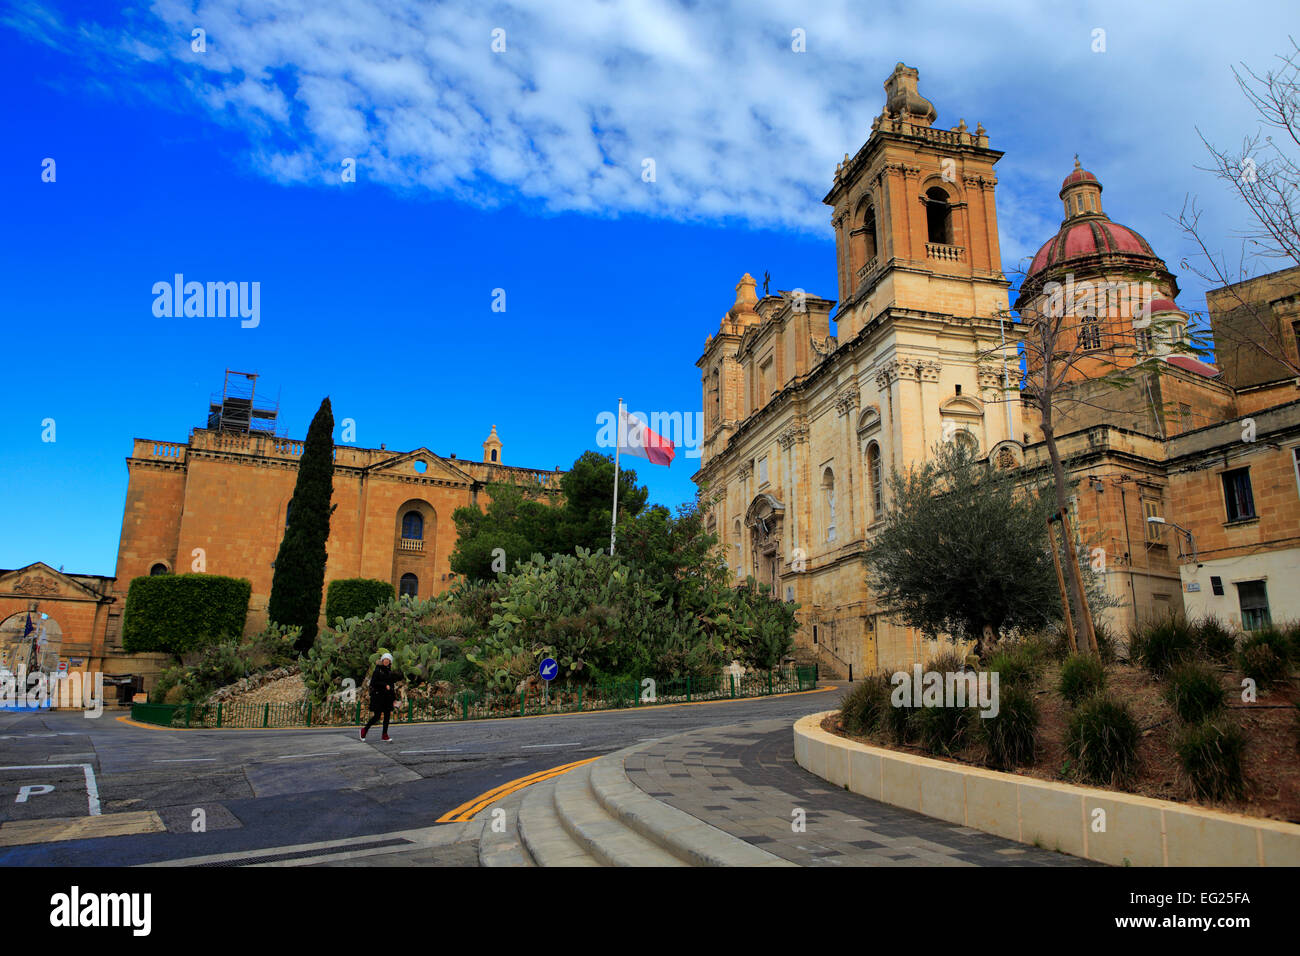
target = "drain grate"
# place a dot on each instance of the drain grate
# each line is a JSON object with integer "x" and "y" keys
{"x": 307, "y": 854}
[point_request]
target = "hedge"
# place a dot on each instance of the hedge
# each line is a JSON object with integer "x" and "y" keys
{"x": 176, "y": 613}
{"x": 355, "y": 597}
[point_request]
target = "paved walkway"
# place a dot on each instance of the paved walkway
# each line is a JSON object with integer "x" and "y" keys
{"x": 744, "y": 780}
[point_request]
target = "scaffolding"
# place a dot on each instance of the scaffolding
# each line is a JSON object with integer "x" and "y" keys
{"x": 237, "y": 408}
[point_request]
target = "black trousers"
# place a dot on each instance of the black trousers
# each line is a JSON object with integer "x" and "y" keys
{"x": 387, "y": 712}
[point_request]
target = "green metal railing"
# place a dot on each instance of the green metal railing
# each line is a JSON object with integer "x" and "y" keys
{"x": 469, "y": 704}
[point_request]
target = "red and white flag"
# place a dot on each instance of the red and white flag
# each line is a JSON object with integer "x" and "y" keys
{"x": 636, "y": 438}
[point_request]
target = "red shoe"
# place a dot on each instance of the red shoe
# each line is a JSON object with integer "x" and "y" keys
{"x": 387, "y": 739}
{"x": 363, "y": 733}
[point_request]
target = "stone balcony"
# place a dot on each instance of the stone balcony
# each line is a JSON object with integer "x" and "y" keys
{"x": 944, "y": 252}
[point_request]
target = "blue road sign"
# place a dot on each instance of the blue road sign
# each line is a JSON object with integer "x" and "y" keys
{"x": 549, "y": 669}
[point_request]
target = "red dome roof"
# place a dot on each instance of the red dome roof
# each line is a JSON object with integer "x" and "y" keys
{"x": 1162, "y": 305}
{"x": 1079, "y": 176}
{"x": 1081, "y": 239}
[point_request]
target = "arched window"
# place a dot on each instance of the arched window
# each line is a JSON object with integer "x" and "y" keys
{"x": 409, "y": 586}
{"x": 413, "y": 522}
{"x": 287, "y": 509}
{"x": 967, "y": 442}
{"x": 875, "y": 476}
{"x": 828, "y": 491}
{"x": 869, "y": 233}
{"x": 1089, "y": 333}
{"x": 158, "y": 569}
{"x": 717, "y": 397}
{"x": 494, "y": 454}
{"x": 938, "y": 215}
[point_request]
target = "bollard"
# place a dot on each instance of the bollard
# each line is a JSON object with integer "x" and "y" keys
{"x": 850, "y": 673}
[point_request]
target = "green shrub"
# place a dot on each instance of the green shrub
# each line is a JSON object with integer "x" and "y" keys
{"x": 179, "y": 613}
{"x": 1292, "y": 632}
{"x": 1011, "y": 736}
{"x": 1194, "y": 692}
{"x": 947, "y": 661}
{"x": 1215, "y": 641}
{"x": 355, "y": 597}
{"x": 1162, "y": 644}
{"x": 347, "y": 653}
{"x": 1107, "y": 643}
{"x": 899, "y": 722}
{"x": 1015, "y": 664}
{"x": 1102, "y": 738}
{"x": 943, "y": 730}
{"x": 1211, "y": 753}
{"x": 167, "y": 680}
{"x": 1264, "y": 656}
{"x": 217, "y": 666}
{"x": 1081, "y": 677}
{"x": 864, "y": 707}
{"x": 272, "y": 647}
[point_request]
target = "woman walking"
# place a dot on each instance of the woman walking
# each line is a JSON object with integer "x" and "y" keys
{"x": 382, "y": 695}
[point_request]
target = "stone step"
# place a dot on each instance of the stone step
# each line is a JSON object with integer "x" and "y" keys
{"x": 542, "y": 834}
{"x": 503, "y": 847}
{"x": 601, "y": 835}
{"x": 689, "y": 839}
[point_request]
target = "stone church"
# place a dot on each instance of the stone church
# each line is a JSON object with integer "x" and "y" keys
{"x": 218, "y": 503}
{"x": 803, "y": 428}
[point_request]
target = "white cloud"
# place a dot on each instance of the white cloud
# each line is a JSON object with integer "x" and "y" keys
{"x": 740, "y": 127}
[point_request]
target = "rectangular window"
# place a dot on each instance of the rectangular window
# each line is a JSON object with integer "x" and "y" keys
{"x": 1236, "y": 494}
{"x": 1216, "y": 585}
{"x": 1143, "y": 340}
{"x": 762, "y": 471}
{"x": 1253, "y": 597}
{"x": 1151, "y": 509}
{"x": 1185, "y": 416}
{"x": 765, "y": 377}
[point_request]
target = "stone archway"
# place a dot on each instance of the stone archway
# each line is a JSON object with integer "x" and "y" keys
{"x": 17, "y": 652}
{"x": 765, "y": 519}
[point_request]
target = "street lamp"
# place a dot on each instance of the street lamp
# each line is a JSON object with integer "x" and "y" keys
{"x": 1191, "y": 538}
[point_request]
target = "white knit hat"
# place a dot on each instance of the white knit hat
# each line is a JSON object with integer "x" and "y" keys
{"x": 386, "y": 657}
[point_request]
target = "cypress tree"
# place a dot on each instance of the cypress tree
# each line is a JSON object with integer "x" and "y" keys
{"x": 299, "y": 579}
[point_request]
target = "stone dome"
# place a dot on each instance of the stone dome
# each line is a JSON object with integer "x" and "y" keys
{"x": 1088, "y": 235}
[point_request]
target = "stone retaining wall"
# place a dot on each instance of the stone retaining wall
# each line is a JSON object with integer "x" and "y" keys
{"x": 1102, "y": 825}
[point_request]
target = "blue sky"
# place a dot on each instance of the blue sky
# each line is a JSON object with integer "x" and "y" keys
{"x": 518, "y": 170}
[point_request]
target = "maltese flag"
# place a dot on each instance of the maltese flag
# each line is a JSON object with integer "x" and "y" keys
{"x": 636, "y": 438}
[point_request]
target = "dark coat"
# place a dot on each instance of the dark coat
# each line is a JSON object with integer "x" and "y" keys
{"x": 383, "y": 688}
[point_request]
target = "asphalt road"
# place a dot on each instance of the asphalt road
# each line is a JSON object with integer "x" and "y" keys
{"x": 273, "y": 788}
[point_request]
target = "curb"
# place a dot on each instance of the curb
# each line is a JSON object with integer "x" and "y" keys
{"x": 684, "y": 836}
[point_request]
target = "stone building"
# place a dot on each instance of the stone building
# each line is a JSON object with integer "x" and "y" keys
{"x": 218, "y": 504}
{"x": 802, "y": 427}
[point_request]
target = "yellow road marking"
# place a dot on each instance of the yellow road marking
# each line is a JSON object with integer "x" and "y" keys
{"x": 486, "y": 720}
{"x": 469, "y": 808}
{"x": 58, "y": 829}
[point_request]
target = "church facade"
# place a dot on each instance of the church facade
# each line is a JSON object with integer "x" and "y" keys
{"x": 803, "y": 428}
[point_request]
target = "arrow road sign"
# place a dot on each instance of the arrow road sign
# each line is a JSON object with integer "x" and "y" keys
{"x": 549, "y": 669}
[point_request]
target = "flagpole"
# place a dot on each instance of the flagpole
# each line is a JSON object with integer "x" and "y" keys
{"x": 618, "y": 441}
